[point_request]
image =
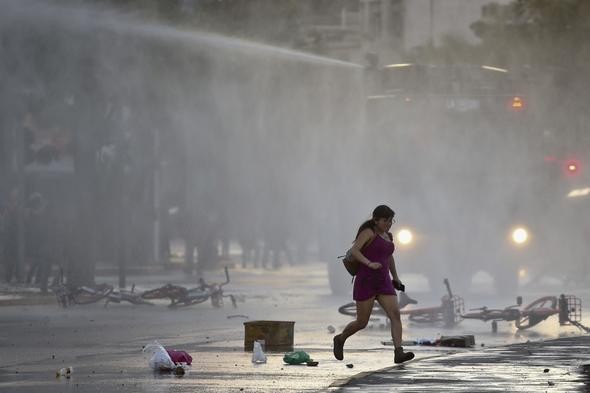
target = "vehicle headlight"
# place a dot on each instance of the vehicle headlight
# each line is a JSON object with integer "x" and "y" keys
{"x": 405, "y": 236}
{"x": 520, "y": 235}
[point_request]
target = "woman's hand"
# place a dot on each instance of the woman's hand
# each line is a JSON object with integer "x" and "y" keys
{"x": 397, "y": 284}
{"x": 375, "y": 265}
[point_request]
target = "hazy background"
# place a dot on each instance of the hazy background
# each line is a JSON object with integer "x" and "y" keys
{"x": 245, "y": 126}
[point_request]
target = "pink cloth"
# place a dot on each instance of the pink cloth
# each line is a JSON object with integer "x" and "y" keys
{"x": 369, "y": 283}
{"x": 179, "y": 356}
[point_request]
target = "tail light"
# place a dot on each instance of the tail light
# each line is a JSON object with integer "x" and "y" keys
{"x": 516, "y": 104}
{"x": 572, "y": 167}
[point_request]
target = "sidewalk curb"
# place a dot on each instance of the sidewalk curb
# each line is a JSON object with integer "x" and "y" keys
{"x": 34, "y": 300}
{"x": 339, "y": 383}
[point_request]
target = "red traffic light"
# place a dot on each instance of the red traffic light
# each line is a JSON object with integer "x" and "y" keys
{"x": 572, "y": 167}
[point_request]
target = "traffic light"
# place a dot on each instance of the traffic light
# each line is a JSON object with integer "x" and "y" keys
{"x": 516, "y": 104}
{"x": 572, "y": 167}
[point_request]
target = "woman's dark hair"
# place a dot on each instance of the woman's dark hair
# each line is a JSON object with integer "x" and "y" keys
{"x": 381, "y": 211}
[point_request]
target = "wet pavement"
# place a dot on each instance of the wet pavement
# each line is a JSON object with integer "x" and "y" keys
{"x": 103, "y": 345}
{"x": 561, "y": 365}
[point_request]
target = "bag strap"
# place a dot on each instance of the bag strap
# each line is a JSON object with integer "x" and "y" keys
{"x": 370, "y": 241}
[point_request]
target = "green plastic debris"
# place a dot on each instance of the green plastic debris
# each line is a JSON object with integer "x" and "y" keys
{"x": 296, "y": 357}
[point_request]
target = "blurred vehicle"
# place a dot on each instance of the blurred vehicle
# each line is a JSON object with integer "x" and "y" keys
{"x": 459, "y": 90}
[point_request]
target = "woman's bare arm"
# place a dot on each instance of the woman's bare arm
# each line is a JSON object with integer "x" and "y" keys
{"x": 392, "y": 269}
{"x": 362, "y": 240}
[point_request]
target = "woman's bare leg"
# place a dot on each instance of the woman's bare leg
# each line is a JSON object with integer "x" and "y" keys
{"x": 363, "y": 313}
{"x": 391, "y": 308}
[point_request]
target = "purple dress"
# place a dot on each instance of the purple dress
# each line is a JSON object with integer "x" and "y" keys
{"x": 369, "y": 283}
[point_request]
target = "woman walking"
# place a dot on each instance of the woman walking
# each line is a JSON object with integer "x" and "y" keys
{"x": 373, "y": 248}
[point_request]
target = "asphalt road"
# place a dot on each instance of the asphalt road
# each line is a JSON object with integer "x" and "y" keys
{"x": 104, "y": 345}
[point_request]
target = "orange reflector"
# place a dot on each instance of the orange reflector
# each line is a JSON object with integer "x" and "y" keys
{"x": 517, "y": 103}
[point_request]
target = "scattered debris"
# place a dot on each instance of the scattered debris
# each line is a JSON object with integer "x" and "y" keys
{"x": 546, "y": 370}
{"x": 350, "y": 365}
{"x": 179, "y": 370}
{"x": 312, "y": 363}
{"x": 550, "y": 383}
{"x": 64, "y": 372}
{"x": 277, "y": 335}
{"x": 180, "y": 357}
{"x": 427, "y": 342}
{"x": 331, "y": 329}
{"x": 165, "y": 360}
{"x": 462, "y": 341}
{"x": 296, "y": 357}
{"x": 258, "y": 355}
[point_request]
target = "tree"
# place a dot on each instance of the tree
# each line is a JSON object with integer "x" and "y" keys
{"x": 539, "y": 32}
{"x": 548, "y": 39}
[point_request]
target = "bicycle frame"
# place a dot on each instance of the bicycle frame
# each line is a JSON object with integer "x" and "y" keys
{"x": 508, "y": 314}
{"x": 568, "y": 307}
{"x": 182, "y": 297}
{"x": 537, "y": 311}
{"x": 66, "y": 296}
{"x": 350, "y": 308}
{"x": 126, "y": 296}
{"x": 449, "y": 312}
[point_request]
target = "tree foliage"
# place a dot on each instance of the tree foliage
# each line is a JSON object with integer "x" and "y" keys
{"x": 551, "y": 33}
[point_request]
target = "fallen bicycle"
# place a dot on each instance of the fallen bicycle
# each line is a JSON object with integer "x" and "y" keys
{"x": 449, "y": 312}
{"x": 567, "y": 307}
{"x": 179, "y": 296}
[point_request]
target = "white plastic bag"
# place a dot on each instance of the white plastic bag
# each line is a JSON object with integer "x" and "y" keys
{"x": 159, "y": 360}
{"x": 257, "y": 355}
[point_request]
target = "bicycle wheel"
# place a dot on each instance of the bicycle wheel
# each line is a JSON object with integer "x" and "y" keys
{"x": 134, "y": 299}
{"x": 188, "y": 301}
{"x": 537, "y": 312}
{"x": 482, "y": 316}
{"x": 87, "y": 295}
{"x": 168, "y": 291}
{"x": 348, "y": 309}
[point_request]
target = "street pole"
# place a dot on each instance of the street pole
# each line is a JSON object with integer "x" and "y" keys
{"x": 20, "y": 218}
{"x": 157, "y": 197}
{"x": 431, "y": 24}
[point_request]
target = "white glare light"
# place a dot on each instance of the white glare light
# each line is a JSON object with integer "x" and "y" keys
{"x": 405, "y": 236}
{"x": 520, "y": 235}
{"x": 580, "y": 192}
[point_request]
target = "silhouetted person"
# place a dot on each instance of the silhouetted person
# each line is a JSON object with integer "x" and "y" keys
{"x": 250, "y": 249}
{"x": 10, "y": 248}
{"x": 275, "y": 242}
{"x": 38, "y": 245}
